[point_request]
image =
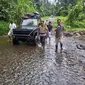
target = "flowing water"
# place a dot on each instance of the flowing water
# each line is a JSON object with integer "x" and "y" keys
{"x": 25, "y": 64}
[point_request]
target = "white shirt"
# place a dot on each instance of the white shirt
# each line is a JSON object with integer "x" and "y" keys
{"x": 12, "y": 26}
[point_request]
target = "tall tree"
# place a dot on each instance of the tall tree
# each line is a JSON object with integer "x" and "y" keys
{"x": 14, "y": 9}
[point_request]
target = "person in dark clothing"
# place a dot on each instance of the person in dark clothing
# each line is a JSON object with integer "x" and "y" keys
{"x": 49, "y": 30}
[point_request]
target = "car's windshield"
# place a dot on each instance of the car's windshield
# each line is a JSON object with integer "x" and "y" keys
{"x": 29, "y": 22}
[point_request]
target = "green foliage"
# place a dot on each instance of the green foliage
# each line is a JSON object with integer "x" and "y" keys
{"x": 63, "y": 19}
{"x": 23, "y": 7}
{"x": 5, "y": 7}
{"x": 46, "y": 9}
{"x": 46, "y": 17}
{"x": 74, "y": 13}
{"x": 64, "y": 12}
{"x": 81, "y": 16}
{"x": 78, "y": 24}
{"x": 67, "y": 2}
{"x": 4, "y": 27}
{"x": 76, "y": 16}
{"x": 14, "y": 9}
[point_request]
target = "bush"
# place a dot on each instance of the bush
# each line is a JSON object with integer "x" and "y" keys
{"x": 81, "y": 16}
{"x": 64, "y": 13}
{"x": 4, "y": 27}
{"x": 78, "y": 24}
{"x": 74, "y": 13}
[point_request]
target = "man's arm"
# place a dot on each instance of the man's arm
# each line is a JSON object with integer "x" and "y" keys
{"x": 46, "y": 27}
{"x": 55, "y": 29}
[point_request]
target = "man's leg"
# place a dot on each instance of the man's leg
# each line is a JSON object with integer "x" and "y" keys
{"x": 61, "y": 43}
{"x": 43, "y": 41}
{"x": 56, "y": 46}
{"x": 9, "y": 35}
{"x": 49, "y": 36}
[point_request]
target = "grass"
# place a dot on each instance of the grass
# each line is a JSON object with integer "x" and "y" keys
{"x": 44, "y": 18}
{"x": 75, "y": 29}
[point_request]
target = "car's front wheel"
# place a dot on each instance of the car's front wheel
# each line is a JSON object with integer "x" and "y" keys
{"x": 15, "y": 41}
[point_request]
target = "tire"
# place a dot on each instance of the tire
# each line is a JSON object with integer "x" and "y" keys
{"x": 35, "y": 40}
{"x": 15, "y": 41}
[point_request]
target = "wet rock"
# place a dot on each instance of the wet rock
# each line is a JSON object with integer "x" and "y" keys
{"x": 82, "y": 32}
{"x": 84, "y": 68}
{"x": 81, "y": 47}
{"x": 76, "y": 34}
{"x": 80, "y": 61}
{"x": 84, "y": 78}
{"x": 83, "y": 56}
{"x": 68, "y": 34}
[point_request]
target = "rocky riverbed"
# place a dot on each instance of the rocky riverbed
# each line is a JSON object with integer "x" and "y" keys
{"x": 25, "y": 64}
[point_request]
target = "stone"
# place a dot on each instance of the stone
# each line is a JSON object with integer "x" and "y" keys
{"x": 68, "y": 34}
{"x": 82, "y": 47}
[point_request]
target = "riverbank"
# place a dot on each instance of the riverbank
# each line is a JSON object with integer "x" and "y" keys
{"x": 4, "y": 26}
{"x": 67, "y": 33}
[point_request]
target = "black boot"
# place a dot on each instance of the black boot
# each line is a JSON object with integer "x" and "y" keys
{"x": 61, "y": 45}
{"x": 56, "y": 48}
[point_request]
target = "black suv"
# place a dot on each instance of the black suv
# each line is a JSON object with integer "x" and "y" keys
{"x": 27, "y": 30}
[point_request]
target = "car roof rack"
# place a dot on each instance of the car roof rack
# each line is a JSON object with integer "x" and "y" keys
{"x": 34, "y": 15}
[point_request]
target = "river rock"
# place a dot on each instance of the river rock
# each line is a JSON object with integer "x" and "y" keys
{"x": 76, "y": 34}
{"x": 81, "y": 47}
{"x": 68, "y": 34}
{"x": 81, "y": 32}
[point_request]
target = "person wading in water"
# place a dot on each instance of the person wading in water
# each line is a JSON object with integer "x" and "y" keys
{"x": 49, "y": 30}
{"x": 42, "y": 33}
{"x": 59, "y": 35}
{"x": 11, "y": 27}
